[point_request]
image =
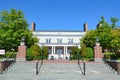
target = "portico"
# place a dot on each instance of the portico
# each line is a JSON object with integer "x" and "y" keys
{"x": 59, "y": 51}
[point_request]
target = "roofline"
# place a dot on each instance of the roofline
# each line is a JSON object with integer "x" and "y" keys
{"x": 57, "y": 31}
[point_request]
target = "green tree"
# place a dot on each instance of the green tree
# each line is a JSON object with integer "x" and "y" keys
{"x": 13, "y": 26}
{"x": 105, "y": 36}
{"x": 115, "y": 42}
{"x": 104, "y": 32}
{"x": 108, "y": 34}
{"x": 89, "y": 38}
{"x": 114, "y": 20}
{"x": 45, "y": 52}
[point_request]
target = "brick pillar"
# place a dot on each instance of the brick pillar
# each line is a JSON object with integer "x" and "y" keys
{"x": 21, "y": 56}
{"x": 98, "y": 53}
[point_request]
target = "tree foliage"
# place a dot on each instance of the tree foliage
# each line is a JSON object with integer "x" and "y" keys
{"x": 83, "y": 50}
{"x": 115, "y": 42}
{"x": 89, "y": 53}
{"x": 89, "y": 38}
{"x": 114, "y": 20}
{"x": 34, "y": 52}
{"x": 105, "y": 36}
{"x": 13, "y": 26}
{"x": 108, "y": 35}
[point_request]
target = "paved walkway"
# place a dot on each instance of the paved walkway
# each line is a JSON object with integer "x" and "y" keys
{"x": 59, "y": 71}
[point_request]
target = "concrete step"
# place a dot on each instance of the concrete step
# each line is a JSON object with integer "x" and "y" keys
{"x": 72, "y": 71}
{"x": 59, "y": 71}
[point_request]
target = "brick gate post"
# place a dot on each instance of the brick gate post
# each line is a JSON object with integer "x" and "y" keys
{"x": 21, "y": 55}
{"x": 98, "y": 56}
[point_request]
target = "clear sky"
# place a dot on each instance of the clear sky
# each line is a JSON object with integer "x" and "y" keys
{"x": 64, "y": 14}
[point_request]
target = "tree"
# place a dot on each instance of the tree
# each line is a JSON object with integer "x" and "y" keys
{"x": 115, "y": 42}
{"x": 105, "y": 34}
{"x": 89, "y": 39}
{"x": 114, "y": 20}
{"x": 13, "y": 26}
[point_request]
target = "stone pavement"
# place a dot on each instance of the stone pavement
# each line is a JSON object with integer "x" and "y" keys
{"x": 59, "y": 71}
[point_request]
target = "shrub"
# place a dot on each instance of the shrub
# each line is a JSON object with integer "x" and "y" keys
{"x": 35, "y": 48}
{"x": 10, "y": 54}
{"x": 29, "y": 55}
{"x": 83, "y": 50}
{"x": 107, "y": 55}
{"x": 45, "y": 52}
{"x": 33, "y": 52}
{"x": 113, "y": 56}
{"x": 89, "y": 52}
{"x": 74, "y": 53}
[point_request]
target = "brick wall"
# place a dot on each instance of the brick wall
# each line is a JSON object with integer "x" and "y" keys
{"x": 114, "y": 65}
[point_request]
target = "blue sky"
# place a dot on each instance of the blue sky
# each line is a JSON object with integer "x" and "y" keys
{"x": 64, "y": 14}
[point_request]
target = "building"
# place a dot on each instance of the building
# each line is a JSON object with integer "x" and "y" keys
{"x": 59, "y": 42}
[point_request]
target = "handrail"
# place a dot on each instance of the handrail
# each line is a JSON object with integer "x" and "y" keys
{"x": 83, "y": 71}
{"x": 38, "y": 67}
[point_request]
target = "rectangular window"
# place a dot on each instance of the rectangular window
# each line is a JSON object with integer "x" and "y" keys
{"x": 70, "y": 40}
{"x": 59, "y": 40}
{"x": 48, "y": 40}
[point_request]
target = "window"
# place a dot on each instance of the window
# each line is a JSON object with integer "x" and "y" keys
{"x": 48, "y": 40}
{"x": 59, "y": 40}
{"x": 70, "y": 40}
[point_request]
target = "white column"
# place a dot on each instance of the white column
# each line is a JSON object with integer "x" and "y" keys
{"x": 64, "y": 49}
{"x": 52, "y": 50}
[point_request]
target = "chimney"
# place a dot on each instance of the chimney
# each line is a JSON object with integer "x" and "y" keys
{"x": 85, "y": 27}
{"x": 99, "y": 25}
{"x": 33, "y": 26}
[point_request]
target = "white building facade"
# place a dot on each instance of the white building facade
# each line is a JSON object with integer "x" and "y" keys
{"x": 59, "y": 43}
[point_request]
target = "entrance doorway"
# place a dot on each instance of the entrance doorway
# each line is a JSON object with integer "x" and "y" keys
{"x": 59, "y": 52}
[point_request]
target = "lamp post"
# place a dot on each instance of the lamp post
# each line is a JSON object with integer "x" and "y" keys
{"x": 97, "y": 41}
{"x": 22, "y": 41}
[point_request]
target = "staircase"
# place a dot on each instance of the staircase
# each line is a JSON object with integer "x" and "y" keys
{"x": 59, "y": 71}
